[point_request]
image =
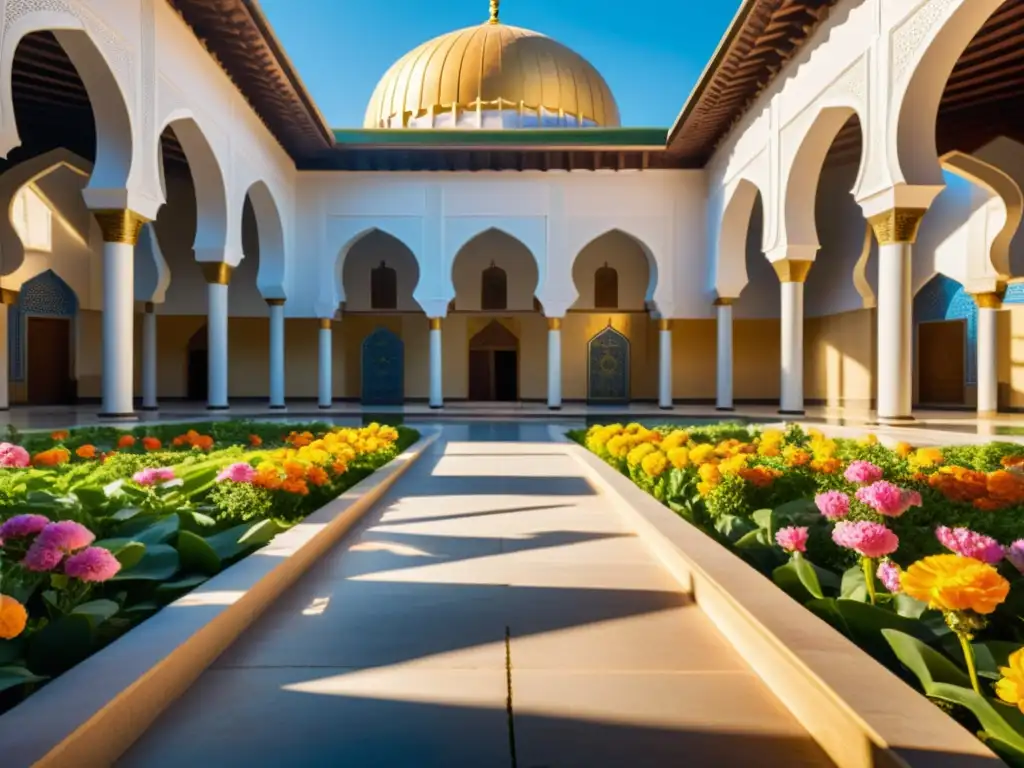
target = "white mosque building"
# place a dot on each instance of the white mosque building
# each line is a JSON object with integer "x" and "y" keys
{"x": 833, "y": 218}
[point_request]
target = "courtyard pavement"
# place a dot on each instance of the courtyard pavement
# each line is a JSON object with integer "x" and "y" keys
{"x": 492, "y": 610}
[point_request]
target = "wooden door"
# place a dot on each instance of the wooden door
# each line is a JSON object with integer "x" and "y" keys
{"x": 941, "y": 348}
{"x": 506, "y": 375}
{"x": 49, "y": 361}
{"x": 481, "y": 381}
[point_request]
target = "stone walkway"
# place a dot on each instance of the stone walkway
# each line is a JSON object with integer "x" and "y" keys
{"x": 492, "y": 610}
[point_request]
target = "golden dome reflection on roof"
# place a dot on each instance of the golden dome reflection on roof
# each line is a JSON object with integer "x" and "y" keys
{"x": 492, "y": 76}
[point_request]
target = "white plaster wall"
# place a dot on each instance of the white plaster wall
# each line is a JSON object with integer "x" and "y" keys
{"x": 553, "y": 215}
{"x": 623, "y": 254}
{"x": 503, "y": 251}
{"x": 1008, "y": 156}
{"x": 365, "y": 256}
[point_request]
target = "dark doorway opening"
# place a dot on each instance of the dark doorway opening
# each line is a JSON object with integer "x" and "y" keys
{"x": 198, "y": 367}
{"x": 49, "y": 361}
{"x": 494, "y": 364}
{"x": 941, "y": 354}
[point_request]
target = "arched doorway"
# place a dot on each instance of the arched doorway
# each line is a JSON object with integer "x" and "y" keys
{"x": 494, "y": 364}
{"x": 608, "y": 368}
{"x": 41, "y": 339}
{"x": 946, "y": 320}
{"x": 198, "y": 366}
{"x": 383, "y": 368}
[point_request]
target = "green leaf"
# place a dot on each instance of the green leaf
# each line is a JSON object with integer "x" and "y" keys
{"x": 261, "y": 533}
{"x": 999, "y": 721}
{"x": 764, "y": 519}
{"x": 198, "y": 554}
{"x": 61, "y": 644}
{"x": 863, "y": 623}
{"x": 756, "y": 539}
{"x": 227, "y": 544}
{"x": 159, "y": 532}
{"x": 1009, "y": 755}
{"x": 199, "y": 477}
{"x": 803, "y": 580}
{"x": 129, "y": 555}
{"x": 853, "y": 586}
{"x": 159, "y": 563}
{"x": 91, "y": 497}
{"x": 194, "y": 521}
{"x": 172, "y": 590}
{"x": 125, "y": 513}
{"x": 908, "y": 606}
{"x": 98, "y": 611}
{"x": 733, "y": 527}
{"x": 806, "y": 573}
{"x": 12, "y": 650}
{"x": 990, "y": 656}
{"x": 11, "y": 677}
{"x": 928, "y": 665}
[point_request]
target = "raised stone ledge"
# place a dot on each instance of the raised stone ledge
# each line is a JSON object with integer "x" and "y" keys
{"x": 93, "y": 712}
{"x": 860, "y": 714}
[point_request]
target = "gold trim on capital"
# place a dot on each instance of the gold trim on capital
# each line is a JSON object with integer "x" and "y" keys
{"x": 435, "y": 323}
{"x": 724, "y": 301}
{"x": 991, "y": 300}
{"x": 217, "y": 272}
{"x": 326, "y": 323}
{"x": 554, "y": 323}
{"x": 792, "y": 270}
{"x": 149, "y": 307}
{"x": 8, "y": 296}
{"x": 120, "y": 225}
{"x": 897, "y": 225}
{"x": 275, "y": 302}
{"x": 664, "y": 324}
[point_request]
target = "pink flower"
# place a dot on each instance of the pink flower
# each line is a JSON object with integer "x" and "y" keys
{"x": 41, "y": 557}
{"x": 833, "y": 504}
{"x": 66, "y": 536}
{"x": 888, "y": 499}
{"x": 153, "y": 476}
{"x": 13, "y": 456}
{"x": 792, "y": 538}
{"x": 862, "y": 472}
{"x": 21, "y": 526}
{"x": 92, "y": 564}
{"x": 967, "y": 543}
{"x": 889, "y": 575}
{"x": 865, "y": 538}
{"x": 1015, "y": 554}
{"x": 239, "y": 472}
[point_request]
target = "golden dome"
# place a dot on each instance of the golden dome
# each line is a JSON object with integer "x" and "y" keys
{"x": 473, "y": 76}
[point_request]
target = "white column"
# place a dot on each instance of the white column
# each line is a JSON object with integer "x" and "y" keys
{"x": 792, "y": 274}
{"x": 665, "y": 364}
{"x": 436, "y": 363}
{"x": 324, "y": 392}
{"x": 989, "y": 305}
{"x": 218, "y": 275}
{"x": 7, "y": 298}
{"x": 723, "y": 385}
{"x": 895, "y": 231}
{"x": 554, "y": 363}
{"x": 149, "y": 402}
{"x": 120, "y": 230}
{"x": 276, "y": 353}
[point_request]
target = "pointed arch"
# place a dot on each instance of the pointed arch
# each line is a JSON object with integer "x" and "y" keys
{"x": 45, "y": 295}
{"x": 272, "y": 275}
{"x": 730, "y": 267}
{"x": 495, "y": 259}
{"x": 376, "y": 265}
{"x": 634, "y": 264}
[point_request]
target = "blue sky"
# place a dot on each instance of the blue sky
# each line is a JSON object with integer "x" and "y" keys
{"x": 651, "y": 52}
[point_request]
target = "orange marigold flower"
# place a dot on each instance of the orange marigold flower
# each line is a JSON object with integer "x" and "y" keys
{"x": 179, "y": 441}
{"x": 760, "y": 477}
{"x": 59, "y": 435}
{"x": 1012, "y": 461}
{"x": 152, "y": 444}
{"x": 52, "y": 457}
{"x": 294, "y": 470}
{"x": 86, "y": 452}
{"x": 203, "y": 442}
{"x": 989, "y": 505}
{"x": 796, "y": 457}
{"x": 296, "y": 486}
{"x": 316, "y": 475}
{"x": 13, "y": 618}
{"x": 125, "y": 441}
{"x": 826, "y": 466}
{"x": 955, "y": 583}
{"x": 267, "y": 478}
{"x": 339, "y": 467}
{"x": 255, "y": 441}
{"x": 1006, "y": 486}
{"x": 903, "y": 449}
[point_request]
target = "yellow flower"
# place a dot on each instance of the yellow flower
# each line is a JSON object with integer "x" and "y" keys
{"x": 955, "y": 583}
{"x": 925, "y": 457}
{"x": 13, "y": 618}
{"x": 676, "y": 439}
{"x": 903, "y": 449}
{"x": 654, "y": 463}
{"x": 680, "y": 457}
{"x": 868, "y": 439}
{"x": 733, "y": 464}
{"x": 710, "y": 478}
{"x": 1011, "y": 687}
{"x": 796, "y": 457}
{"x": 636, "y": 455}
{"x": 702, "y": 454}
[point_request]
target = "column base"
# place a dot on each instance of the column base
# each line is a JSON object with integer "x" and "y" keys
{"x": 554, "y": 407}
{"x": 725, "y": 408}
{"x": 436, "y": 407}
{"x": 217, "y": 407}
{"x": 894, "y": 419}
{"x": 792, "y": 413}
{"x": 149, "y": 408}
{"x": 325, "y": 407}
{"x": 277, "y": 407}
{"x": 667, "y": 407}
{"x": 129, "y": 416}
{"x": 988, "y": 414}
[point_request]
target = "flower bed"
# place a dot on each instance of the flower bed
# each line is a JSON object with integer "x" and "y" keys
{"x": 100, "y": 528}
{"x": 914, "y": 554}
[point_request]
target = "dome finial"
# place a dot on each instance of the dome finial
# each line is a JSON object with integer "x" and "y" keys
{"x": 494, "y": 12}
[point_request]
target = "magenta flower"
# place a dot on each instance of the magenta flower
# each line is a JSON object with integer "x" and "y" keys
{"x": 792, "y": 538}
{"x": 888, "y": 499}
{"x": 92, "y": 564}
{"x": 889, "y": 575}
{"x": 41, "y": 557}
{"x": 862, "y": 472}
{"x": 865, "y": 538}
{"x": 153, "y": 476}
{"x": 21, "y": 526}
{"x": 833, "y": 504}
{"x": 13, "y": 456}
{"x": 1015, "y": 554}
{"x": 66, "y": 536}
{"x": 967, "y": 543}
{"x": 239, "y": 472}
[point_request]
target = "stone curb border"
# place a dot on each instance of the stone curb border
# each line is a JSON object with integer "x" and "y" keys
{"x": 96, "y": 710}
{"x": 860, "y": 714}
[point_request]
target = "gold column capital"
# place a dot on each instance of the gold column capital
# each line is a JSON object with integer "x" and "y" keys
{"x": 119, "y": 225}
{"x": 435, "y": 323}
{"x": 217, "y": 272}
{"x": 326, "y": 323}
{"x": 792, "y": 270}
{"x": 8, "y": 296}
{"x": 554, "y": 323}
{"x": 897, "y": 225}
{"x": 724, "y": 301}
{"x": 664, "y": 324}
{"x": 275, "y": 302}
{"x": 989, "y": 300}
{"x": 149, "y": 307}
